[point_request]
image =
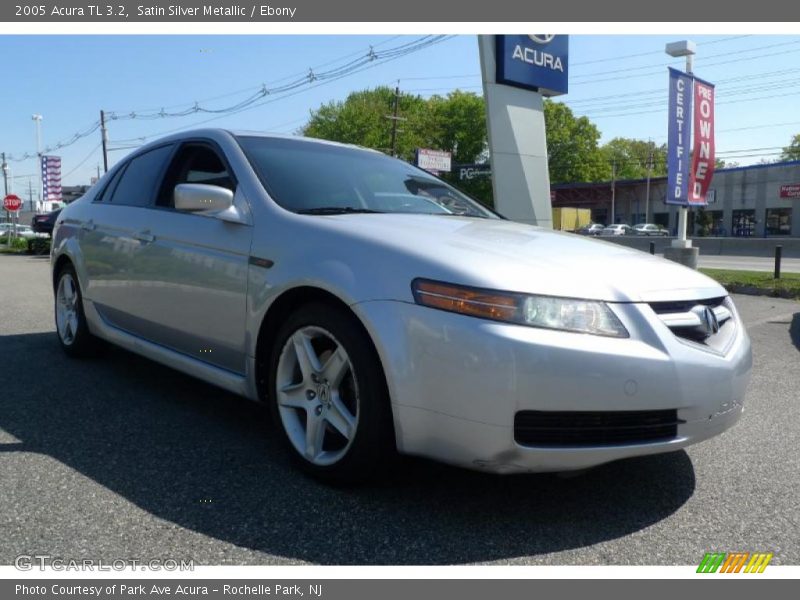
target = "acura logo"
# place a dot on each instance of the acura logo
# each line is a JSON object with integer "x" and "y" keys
{"x": 541, "y": 38}
{"x": 708, "y": 320}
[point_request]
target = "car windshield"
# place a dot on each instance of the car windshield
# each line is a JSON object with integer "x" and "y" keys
{"x": 316, "y": 178}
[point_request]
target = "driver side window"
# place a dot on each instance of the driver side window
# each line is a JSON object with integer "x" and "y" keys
{"x": 195, "y": 163}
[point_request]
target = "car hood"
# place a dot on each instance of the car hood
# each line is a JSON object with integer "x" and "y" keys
{"x": 505, "y": 255}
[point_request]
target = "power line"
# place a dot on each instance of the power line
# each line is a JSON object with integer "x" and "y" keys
{"x": 699, "y": 60}
{"x": 80, "y": 164}
{"x": 607, "y": 99}
{"x": 384, "y": 56}
{"x": 651, "y": 53}
{"x": 59, "y": 145}
{"x": 266, "y": 83}
{"x": 326, "y": 80}
{"x": 301, "y": 81}
{"x": 705, "y": 66}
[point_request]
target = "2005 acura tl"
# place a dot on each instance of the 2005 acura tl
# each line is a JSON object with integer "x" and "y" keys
{"x": 375, "y": 308}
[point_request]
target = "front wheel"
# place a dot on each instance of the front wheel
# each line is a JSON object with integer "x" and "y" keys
{"x": 328, "y": 395}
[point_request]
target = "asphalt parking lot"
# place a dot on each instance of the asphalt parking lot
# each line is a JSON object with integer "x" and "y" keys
{"x": 118, "y": 457}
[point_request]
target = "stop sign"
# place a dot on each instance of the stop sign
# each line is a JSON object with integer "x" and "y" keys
{"x": 12, "y": 202}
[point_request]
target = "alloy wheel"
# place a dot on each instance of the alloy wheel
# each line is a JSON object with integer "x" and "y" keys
{"x": 67, "y": 309}
{"x": 317, "y": 395}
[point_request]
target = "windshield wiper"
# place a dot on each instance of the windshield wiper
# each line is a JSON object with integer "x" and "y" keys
{"x": 335, "y": 210}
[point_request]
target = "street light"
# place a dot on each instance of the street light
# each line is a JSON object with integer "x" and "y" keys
{"x": 685, "y": 48}
{"x": 37, "y": 118}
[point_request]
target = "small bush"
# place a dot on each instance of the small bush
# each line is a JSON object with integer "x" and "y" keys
{"x": 38, "y": 245}
{"x": 17, "y": 243}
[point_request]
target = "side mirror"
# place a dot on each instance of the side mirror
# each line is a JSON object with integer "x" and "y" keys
{"x": 199, "y": 197}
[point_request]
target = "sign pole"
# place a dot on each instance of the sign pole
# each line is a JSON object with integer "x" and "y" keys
{"x": 5, "y": 188}
{"x": 683, "y": 211}
{"x": 517, "y": 71}
{"x": 684, "y": 163}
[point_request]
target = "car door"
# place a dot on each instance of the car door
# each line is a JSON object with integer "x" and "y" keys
{"x": 193, "y": 269}
{"x": 113, "y": 237}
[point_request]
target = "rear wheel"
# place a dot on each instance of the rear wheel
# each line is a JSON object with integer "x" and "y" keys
{"x": 73, "y": 332}
{"x": 328, "y": 395}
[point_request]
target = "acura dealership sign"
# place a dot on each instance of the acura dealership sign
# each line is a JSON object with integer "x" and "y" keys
{"x": 537, "y": 62}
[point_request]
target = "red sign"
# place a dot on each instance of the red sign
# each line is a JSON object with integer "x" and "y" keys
{"x": 790, "y": 191}
{"x": 12, "y": 203}
{"x": 703, "y": 151}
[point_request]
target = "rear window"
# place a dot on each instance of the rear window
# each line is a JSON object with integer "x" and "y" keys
{"x": 137, "y": 184}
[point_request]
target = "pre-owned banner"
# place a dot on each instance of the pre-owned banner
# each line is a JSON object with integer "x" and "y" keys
{"x": 679, "y": 135}
{"x": 703, "y": 148}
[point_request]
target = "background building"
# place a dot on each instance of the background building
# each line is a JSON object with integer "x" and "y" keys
{"x": 753, "y": 201}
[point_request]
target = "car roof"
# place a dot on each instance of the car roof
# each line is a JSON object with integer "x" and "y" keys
{"x": 216, "y": 132}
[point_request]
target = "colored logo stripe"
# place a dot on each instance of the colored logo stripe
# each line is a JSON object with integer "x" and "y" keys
{"x": 734, "y": 562}
{"x": 758, "y": 563}
{"x": 711, "y": 562}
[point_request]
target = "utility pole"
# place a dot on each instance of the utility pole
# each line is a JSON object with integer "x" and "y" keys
{"x": 613, "y": 190}
{"x": 104, "y": 134}
{"x": 394, "y": 118}
{"x": 649, "y": 173}
{"x": 5, "y": 185}
{"x": 37, "y": 118}
{"x": 5, "y": 174}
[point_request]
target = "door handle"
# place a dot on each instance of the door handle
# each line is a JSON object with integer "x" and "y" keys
{"x": 88, "y": 226}
{"x": 144, "y": 236}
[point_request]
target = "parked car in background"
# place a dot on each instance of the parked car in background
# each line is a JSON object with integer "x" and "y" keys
{"x": 44, "y": 223}
{"x": 374, "y": 308}
{"x": 649, "y": 229}
{"x": 21, "y": 231}
{"x": 617, "y": 229}
{"x": 591, "y": 229}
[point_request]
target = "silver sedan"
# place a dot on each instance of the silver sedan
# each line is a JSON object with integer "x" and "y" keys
{"x": 376, "y": 309}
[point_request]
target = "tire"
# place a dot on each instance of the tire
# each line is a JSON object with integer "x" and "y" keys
{"x": 71, "y": 327}
{"x": 324, "y": 373}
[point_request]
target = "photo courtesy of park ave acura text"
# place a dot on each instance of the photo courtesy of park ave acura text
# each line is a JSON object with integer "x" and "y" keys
{"x": 399, "y": 299}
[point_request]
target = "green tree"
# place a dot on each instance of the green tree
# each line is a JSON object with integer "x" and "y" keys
{"x": 362, "y": 119}
{"x": 458, "y": 124}
{"x": 630, "y": 156}
{"x": 572, "y": 146}
{"x": 792, "y": 151}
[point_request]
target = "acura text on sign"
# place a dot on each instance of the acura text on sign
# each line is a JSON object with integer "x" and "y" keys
{"x": 536, "y": 62}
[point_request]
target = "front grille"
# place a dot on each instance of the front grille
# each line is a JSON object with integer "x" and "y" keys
{"x": 661, "y": 308}
{"x": 570, "y": 429}
{"x": 688, "y": 322}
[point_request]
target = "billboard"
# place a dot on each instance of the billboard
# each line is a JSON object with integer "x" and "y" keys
{"x": 538, "y": 62}
{"x": 679, "y": 135}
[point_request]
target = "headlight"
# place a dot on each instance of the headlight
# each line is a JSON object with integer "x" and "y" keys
{"x": 548, "y": 312}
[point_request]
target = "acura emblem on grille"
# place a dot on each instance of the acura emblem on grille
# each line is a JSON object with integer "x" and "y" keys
{"x": 708, "y": 320}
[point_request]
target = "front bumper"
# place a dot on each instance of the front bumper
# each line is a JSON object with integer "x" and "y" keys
{"x": 456, "y": 383}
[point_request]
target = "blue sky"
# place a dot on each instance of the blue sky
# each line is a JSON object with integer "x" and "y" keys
{"x": 617, "y": 81}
